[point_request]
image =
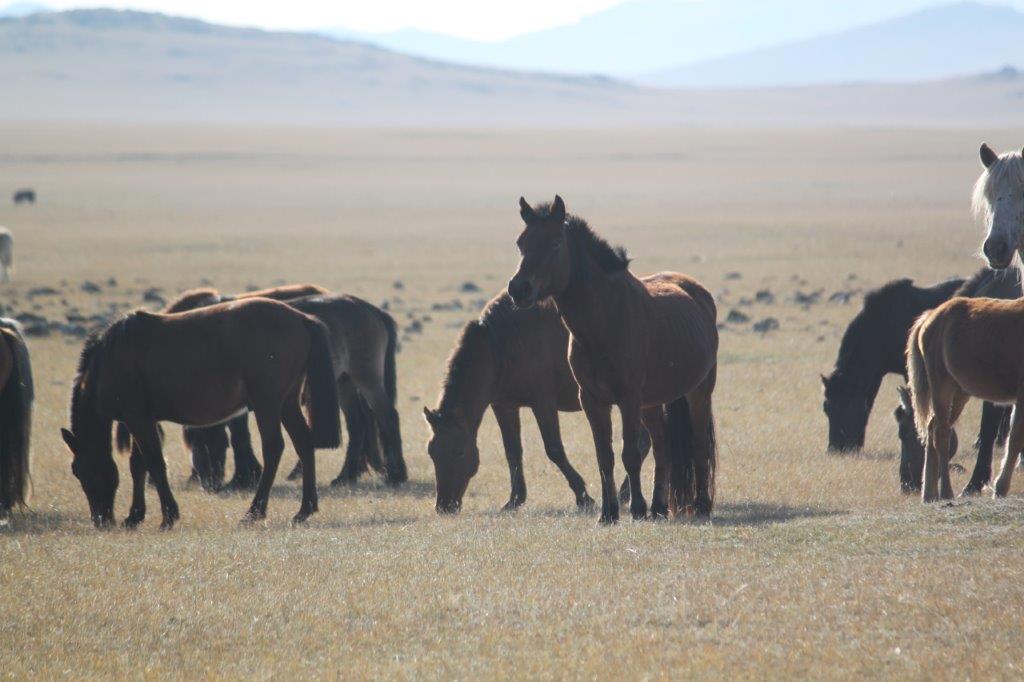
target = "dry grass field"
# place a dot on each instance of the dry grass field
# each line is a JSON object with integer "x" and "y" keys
{"x": 815, "y": 565}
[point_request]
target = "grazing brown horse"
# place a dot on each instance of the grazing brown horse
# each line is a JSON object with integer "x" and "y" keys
{"x": 208, "y": 445}
{"x": 965, "y": 348}
{"x": 508, "y": 359}
{"x": 199, "y": 368}
{"x": 639, "y": 344}
{"x": 16, "y": 395}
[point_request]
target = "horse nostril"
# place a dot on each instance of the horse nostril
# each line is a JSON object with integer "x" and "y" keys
{"x": 520, "y": 290}
{"x": 995, "y": 251}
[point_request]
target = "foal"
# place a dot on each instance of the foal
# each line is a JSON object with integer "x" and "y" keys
{"x": 648, "y": 346}
{"x": 196, "y": 369}
{"x": 965, "y": 347}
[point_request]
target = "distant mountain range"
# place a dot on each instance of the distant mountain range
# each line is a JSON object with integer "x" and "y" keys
{"x": 115, "y": 66}
{"x": 22, "y": 9}
{"x": 642, "y": 37}
{"x": 941, "y": 42}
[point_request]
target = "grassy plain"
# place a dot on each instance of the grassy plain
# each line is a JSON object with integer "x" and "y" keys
{"x": 815, "y": 565}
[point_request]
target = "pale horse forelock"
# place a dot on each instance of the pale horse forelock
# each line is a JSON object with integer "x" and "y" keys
{"x": 1006, "y": 174}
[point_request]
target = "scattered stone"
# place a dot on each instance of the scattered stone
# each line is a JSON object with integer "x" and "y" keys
{"x": 75, "y": 330}
{"x": 398, "y": 284}
{"x": 90, "y": 287}
{"x": 252, "y": 287}
{"x": 414, "y": 327}
{"x": 111, "y": 281}
{"x": 33, "y": 325}
{"x": 841, "y": 297}
{"x": 766, "y": 325}
{"x": 764, "y": 296}
{"x": 733, "y": 275}
{"x": 806, "y": 299}
{"x": 205, "y": 281}
{"x": 737, "y": 317}
{"x": 451, "y": 305}
{"x": 152, "y": 295}
{"x": 385, "y": 306}
{"x": 41, "y": 291}
{"x": 469, "y": 288}
{"x": 745, "y": 302}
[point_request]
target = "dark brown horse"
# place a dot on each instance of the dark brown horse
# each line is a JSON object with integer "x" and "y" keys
{"x": 508, "y": 359}
{"x": 199, "y": 368}
{"x": 208, "y": 445}
{"x": 16, "y": 395}
{"x": 965, "y": 348}
{"x": 639, "y": 344}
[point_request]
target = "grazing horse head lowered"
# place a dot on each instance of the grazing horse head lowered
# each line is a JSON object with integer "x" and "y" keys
{"x": 999, "y": 200}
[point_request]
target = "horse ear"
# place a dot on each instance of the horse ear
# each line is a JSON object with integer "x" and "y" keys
{"x": 558, "y": 210}
{"x": 69, "y": 439}
{"x": 905, "y": 401}
{"x": 526, "y": 211}
{"x": 988, "y": 157}
{"x": 429, "y": 415}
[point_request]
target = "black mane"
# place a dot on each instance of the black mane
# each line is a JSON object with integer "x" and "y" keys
{"x": 88, "y": 369}
{"x": 609, "y": 258}
{"x": 459, "y": 372}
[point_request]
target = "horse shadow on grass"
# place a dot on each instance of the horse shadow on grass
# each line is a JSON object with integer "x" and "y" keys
{"x": 364, "y": 488}
{"x": 767, "y": 514}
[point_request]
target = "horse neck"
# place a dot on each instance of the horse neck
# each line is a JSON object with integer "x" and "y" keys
{"x": 89, "y": 423}
{"x": 583, "y": 304}
{"x": 470, "y": 384}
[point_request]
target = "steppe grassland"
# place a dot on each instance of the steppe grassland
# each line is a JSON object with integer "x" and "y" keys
{"x": 814, "y": 567}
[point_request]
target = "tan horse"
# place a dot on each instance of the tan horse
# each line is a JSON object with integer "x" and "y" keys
{"x": 200, "y": 368}
{"x": 967, "y": 347}
{"x": 648, "y": 346}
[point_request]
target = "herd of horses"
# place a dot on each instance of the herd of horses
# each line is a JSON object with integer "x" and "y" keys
{"x": 574, "y": 330}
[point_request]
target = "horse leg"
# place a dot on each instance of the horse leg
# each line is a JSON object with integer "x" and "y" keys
{"x": 654, "y": 422}
{"x": 137, "y": 465}
{"x": 631, "y": 458}
{"x": 302, "y": 438}
{"x": 358, "y": 424}
{"x": 268, "y": 421}
{"x": 702, "y": 419}
{"x": 1014, "y": 445}
{"x": 991, "y": 420}
{"x": 247, "y": 467}
{"x": 599, "y": 415}
{"x": 148, "y": 438}
{"x": 956, "y": 408}
{"x": 551, "y": 434}
{"x": 511, "y": 439}
{"x": 645, "y": 447}
{"x": 390, "y": 430}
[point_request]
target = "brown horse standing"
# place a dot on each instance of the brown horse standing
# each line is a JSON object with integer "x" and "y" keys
{"x": 508, "y": 359}
{"x": 639, "y": 344}
{"x": 200, "y": 368}
{"x": 966, "y": 347}
{"x": 16, "y": 395}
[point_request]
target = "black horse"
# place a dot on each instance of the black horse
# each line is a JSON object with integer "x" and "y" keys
{"x": 874, "y": 345}
{"x": 25, "y": 196}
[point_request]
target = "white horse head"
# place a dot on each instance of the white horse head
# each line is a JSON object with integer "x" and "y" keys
{"x": 999, "y": 200}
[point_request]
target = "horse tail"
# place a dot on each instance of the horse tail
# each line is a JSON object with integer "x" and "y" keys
{"x": 16, "y": 417}
{"x": 324, "y": 416}
{"x": 683, "y": 479}
{"x": 390, "y": 365}
{"x": 917, "y": 373}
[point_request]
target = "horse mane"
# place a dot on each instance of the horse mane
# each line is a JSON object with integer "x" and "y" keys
{"x": 582, "y": 237}
{"x": 192, "y": 299}
{"x": 459, "y": 371}
{"x": 89, "y": 362}
{"x": 1009, "y": 169}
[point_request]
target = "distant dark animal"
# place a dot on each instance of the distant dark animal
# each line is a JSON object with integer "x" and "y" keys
{"x": 967, "y": 347}
{"x": 6, "y": 255}
{"x": 873, "y": 345}
{"x": 25, "y": 196}
{"x": 16, "y": 396}
{"x": 199, "y": 368}
{"x": 507, "y": 359}
{"x": 648, "y": 346}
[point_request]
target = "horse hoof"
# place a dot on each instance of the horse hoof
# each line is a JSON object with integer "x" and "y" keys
{"x": 295, "y": 474}
{"x": 659, "y": 512}
{"x": 512, "y": 505}
{"x": 252, "y": 517}
{"x": 638, "y": 512}
{"x": 343, "y": 480}
{"x": 167, "y": 524}
{"x": 585, "y": 502}
{"x": 133, "y": 521}
{"x": 609, "y": 517}
{"x": 300, "y": 519}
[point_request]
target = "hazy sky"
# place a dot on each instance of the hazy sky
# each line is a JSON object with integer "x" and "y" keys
{"x": 481, "y": 19}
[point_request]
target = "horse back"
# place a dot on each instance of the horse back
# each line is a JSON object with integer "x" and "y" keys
{"x": 284, "y": 293}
